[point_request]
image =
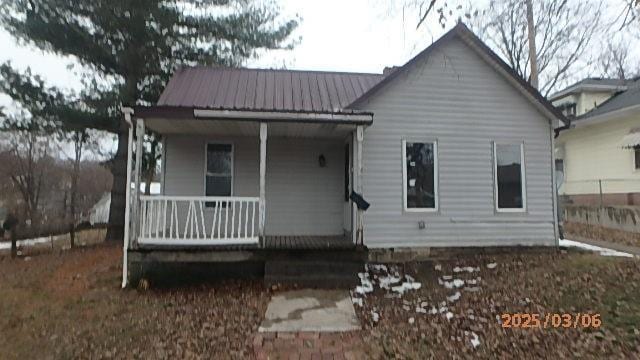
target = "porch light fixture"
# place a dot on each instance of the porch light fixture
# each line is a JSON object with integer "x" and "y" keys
{"x": 322, "y": 161}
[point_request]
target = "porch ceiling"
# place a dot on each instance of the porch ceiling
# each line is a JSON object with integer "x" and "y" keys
{"x": 247, "y": 128}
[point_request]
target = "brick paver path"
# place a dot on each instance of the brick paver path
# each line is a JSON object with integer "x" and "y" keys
{"x": 308, "y": 345}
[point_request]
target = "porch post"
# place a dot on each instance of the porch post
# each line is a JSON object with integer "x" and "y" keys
{"x": 263, "y": 171}
{"x": 359, "y": 137}
{"x": 136, "y": 178}
{"x": 127, "y": 207}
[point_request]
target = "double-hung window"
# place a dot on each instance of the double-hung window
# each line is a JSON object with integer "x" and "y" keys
{"x": 420, "y": 175}
{"x": 219, "y": 172}
{"x": 510, "y": 190}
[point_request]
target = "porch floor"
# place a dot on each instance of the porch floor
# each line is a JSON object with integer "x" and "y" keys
{"x": 271, "y": 243}
{"x": 307, "y": 242}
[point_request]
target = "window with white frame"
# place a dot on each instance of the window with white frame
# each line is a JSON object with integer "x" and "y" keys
{"x": 420, "y": 169}
{"x": 219, "y": 171}
{"x": 508, "y": 160}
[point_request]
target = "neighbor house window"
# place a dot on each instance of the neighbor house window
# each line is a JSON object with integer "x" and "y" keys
{"x": 636, "y": 156}
{"x": 420, "y": 175}
{"x": 509, "y": 177}
{"x": 219, "y": 172}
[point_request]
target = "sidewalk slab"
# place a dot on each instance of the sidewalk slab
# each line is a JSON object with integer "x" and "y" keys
{"x": 310, "y": 310}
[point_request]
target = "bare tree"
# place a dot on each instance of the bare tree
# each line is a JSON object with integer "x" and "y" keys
{"x": 27, "y": 164}
{"x": 531, "y": 37}
{"x": 564, "y": 30}
{"x": 616, "y": 62}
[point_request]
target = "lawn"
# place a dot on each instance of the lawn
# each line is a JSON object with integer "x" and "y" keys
{"x": 69, "y": 305}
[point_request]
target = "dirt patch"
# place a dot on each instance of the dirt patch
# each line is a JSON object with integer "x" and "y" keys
{"x": 596, "y": 232}
{"x": 70, "y": 305}
{"x": 45, "y": 314}
{"x": 456, "y": 313}
{"x": 74, "y": 276}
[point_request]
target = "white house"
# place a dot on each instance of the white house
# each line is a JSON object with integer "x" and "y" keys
{"x": 452, "y": 149}
{"x": 600, "y": 153}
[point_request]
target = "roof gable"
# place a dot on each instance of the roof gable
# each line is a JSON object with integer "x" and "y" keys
{"x": 463, "y": 33}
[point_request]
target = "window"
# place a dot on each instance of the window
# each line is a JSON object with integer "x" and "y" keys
{"x": 219, "y": 175}
{"x": 636, "y": 157}
{"x": 420, "y": 167}
{"x": 509, "y": 177}
{"x": 568, "y": 109}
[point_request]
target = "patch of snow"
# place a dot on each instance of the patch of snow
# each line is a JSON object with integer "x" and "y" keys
{"x": 433, "y": 311}
{"x": 420, "y": 310}
{"x": 410, "y": 284}
{"x": 375, "y": 316}
{"x": 447, "y": 277}
{"x": 27, "y": 242}
{"x": 438, "y": 267}
{"x": 456, "y": 283}
{"x": 357, "y": 301}
{"x": 455, "y": 297}
{"x": 449, "y": 315}
{"x": 411, "y": 320}
{"x": 468, "y": 269}
{"x": 491, "y": 266}
{"x": 387, "y": 281}
{"x": 601, "y": 250}
{"x": 475, "y": 340}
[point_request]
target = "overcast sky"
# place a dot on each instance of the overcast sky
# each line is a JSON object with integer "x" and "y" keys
{"x": 340, "y": 35}
{"x": 345, "y": 35}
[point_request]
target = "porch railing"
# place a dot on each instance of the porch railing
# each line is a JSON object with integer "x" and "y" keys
{"x": 198, "y": 220}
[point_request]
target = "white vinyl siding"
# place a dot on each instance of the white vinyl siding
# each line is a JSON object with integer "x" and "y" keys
{"x": 302, "y": 198}
{"x": 457, "y": 98}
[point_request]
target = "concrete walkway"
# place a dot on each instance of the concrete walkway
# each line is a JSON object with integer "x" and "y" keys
{"x": 310, "y": 310}
{"x": 309, "y": 324}
{"x": 609, "y": 245}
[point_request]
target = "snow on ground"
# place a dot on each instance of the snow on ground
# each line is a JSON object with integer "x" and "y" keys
{"x": 601, "y": 250}
{"x": 26, "y": 242}
{"x": 395, "y": 285}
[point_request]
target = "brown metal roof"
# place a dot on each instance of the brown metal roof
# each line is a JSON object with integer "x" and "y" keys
{"x": 265, "y": 90}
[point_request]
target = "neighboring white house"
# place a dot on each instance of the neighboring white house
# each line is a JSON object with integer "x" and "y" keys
{"x": 451, "y": 149}
{"x": 600, "y": 153}
{"x": 99, "y": 213}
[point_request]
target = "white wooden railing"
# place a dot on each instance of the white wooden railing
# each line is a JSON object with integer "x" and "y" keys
{"x": 198, "y": 220}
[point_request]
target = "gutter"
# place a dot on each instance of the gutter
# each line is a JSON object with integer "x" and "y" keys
{"x": 284, "y": 116}
{"x": 128, "y": 112}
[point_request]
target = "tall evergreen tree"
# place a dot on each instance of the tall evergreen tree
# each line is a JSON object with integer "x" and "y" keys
{"x": 129, "y": 49}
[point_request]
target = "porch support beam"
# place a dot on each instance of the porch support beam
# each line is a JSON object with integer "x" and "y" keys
{"x": 136, "y": 179}
{"x": 357, "y": 183}
{"x": 127, "y": 208}
{"x": 263, "y": 172}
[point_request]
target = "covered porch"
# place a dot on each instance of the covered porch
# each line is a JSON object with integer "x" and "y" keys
{"x": 247, "y": 180}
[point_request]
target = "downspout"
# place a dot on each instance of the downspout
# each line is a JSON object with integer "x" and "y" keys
{"x": 128, "y": 112}
{"x": 554, "y": 188}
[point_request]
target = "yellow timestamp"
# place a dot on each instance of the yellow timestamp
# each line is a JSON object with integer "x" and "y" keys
{"x": 551, "y": 320}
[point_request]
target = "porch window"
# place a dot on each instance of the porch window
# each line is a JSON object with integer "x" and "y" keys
{"x": 420, "y": 174}
{"x": 636, "y": 157}
{"x": 219, "y": 172}
{"x": 508, "y": 160}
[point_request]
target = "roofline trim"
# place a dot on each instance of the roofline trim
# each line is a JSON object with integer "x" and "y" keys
{"x": 468, "y": 37}
{"x": 586, "y": 87}
{"x": 284, "y": 116}
{"x": 176, "y": 112}
{"x": 590, "y": 120}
